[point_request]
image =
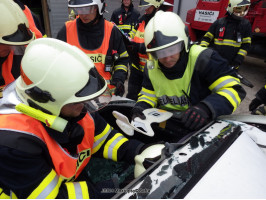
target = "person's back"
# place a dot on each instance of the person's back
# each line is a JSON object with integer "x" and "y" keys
{"x": 231, "y": 35}
{"x": 12, "y": 41}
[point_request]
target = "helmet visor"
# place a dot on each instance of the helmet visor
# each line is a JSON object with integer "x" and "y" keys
{"x": 144, "y": 3}
{"x": 99, "y": 102}
{"x": 79, "y": 3}
{"x": 241, "y": 11}
{"x": 169, "y": 51}
{"x": 23, "y": 34}
{"x": 85, "y": 10}
{"x": 94, "y": 84}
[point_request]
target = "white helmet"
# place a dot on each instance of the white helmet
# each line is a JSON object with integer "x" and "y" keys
{"x": 54, "y": 73}
{"x": 165, "y": 29}
{"x": 14, "y": 24}
{"x": 86, "y": 3}
{"x": 155, "y": 3}
{"x": 238, "y": 7}
{"x": 149, "y": 153}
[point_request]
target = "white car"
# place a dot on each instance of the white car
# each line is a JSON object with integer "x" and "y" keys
{"x": 225, "y": 159}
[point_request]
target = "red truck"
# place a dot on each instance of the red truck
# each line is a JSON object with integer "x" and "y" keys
{"x": 199, "y": 20}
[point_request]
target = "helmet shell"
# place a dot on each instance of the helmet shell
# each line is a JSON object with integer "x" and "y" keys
{"x": 53, "y": 73}
{"x": 236, "y": 3}
{"x": 151, "y": 152}
{"x": 84, "y": 3}
{"x": 155, "y": 3}
{"x": 14, "y": 24}
{"x": 163, "y": 30}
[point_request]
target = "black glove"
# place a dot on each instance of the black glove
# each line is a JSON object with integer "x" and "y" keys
{"x": 254, "y": 104}
{"x": 259, "y": 111}
{"x": 137, "y": 112}
{"x": 196, "y": 117}
{"x": 120, "y": 88}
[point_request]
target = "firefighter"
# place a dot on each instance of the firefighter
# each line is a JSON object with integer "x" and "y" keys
{"x": 100, "y": 40}
{"x": 47, "y": 135}
{"x": 231, "y": 35}
{"x": 14, "y": 34}
{"x": 125, "y": 17}
{"x": 256, "y": 102}
{"x": 34, "y": 23}
{"x": 140, "y": 57}
{"x": 195, "y": 80}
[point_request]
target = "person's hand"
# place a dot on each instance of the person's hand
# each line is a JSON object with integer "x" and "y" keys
{"x": 137, "y": 111}
{"x": 120, "y": 88}
{"x": 259, "y": 111}
{"x": 196, "y": 117}
{"x": 254, "y": 104}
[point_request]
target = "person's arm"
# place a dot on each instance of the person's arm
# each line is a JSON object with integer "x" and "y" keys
{"x": 110, "y": 144}
{"x": 245, "y": 45}
{"x": 226, "y": 90}
{"x": 61, "y": 35}
{"x": 30, "y": 176}
{"x": 147, "y": 98}
{"x": 209, "y": 35}
{"x": 120, "y": 68}
{"x": 113, "y": 17}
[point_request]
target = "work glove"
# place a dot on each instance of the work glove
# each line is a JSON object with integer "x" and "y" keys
{"x": 120, "y": 88}
{"x": 259, "y": 111}
{"x": 254, "y": 104}
{"x": 196, "y": 117}
{"x": 260, "y": 99}
{"x": 137, "y": 111}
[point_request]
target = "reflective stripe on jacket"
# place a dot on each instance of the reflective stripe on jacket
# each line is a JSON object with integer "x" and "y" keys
{"x": 97, "y": 55}
{"x": 175, "y": 95}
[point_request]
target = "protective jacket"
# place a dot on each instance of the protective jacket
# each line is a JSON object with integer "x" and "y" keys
{"x": 230, "y": 37}
{"x": 98, "y": 56}
{"x": 10, "y": 69}
{"x": 200, "y": 76}
{"x": 43, "y": 163}
{"x": 138, "y": 58}
{"x": 96, "y": 38}
{"x": 125, "y": 20}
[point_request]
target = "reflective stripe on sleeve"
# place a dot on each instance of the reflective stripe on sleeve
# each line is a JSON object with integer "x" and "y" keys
{"x": 247, "y": 40}
{"x": 227, "y": 42}
{"x": 232, "y": 96}
{"x": 209, "y": 35}
{"x": 100, "y": 139}
{"x": 3, "y": 195}
{"x": 112, "y": 146}
{"x": 118, "y": 67}
{"x": 242, "y": 52}
{"x": 48, "y": 188}
{"x": 224, "y": 82}
{"x": 77, "y": 190}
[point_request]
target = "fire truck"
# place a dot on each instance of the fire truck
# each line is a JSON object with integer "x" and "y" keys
{"x": 199, "y": 19}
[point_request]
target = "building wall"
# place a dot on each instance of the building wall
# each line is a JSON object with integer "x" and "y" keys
{"x": 58, "y": 15}
{"x": 182, "y": 6}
